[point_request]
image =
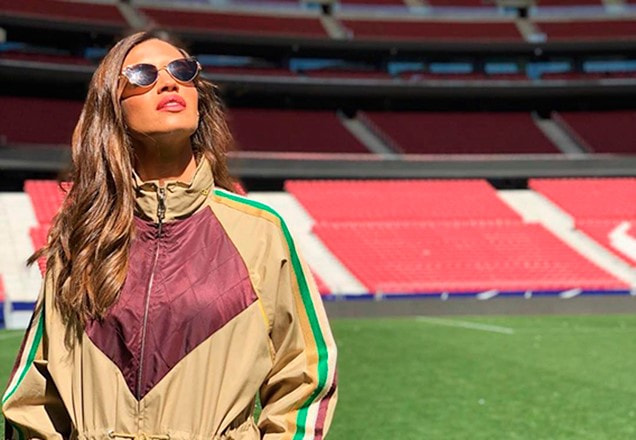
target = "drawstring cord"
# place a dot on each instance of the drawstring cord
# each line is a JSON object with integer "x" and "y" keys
{"x": 138, "y": 436}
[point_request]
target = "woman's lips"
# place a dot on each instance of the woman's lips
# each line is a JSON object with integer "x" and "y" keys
{"x": 171, "y": 107}
{"x": 171, "y": 103}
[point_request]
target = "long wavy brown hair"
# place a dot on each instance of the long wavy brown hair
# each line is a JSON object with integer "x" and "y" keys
{"x": 89, "y": 240}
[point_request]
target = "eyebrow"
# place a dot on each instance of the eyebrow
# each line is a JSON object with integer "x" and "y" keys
{"x": 155, "y": 64}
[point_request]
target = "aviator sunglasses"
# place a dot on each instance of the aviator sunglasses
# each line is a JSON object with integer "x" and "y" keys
{"x": 145, "y": 75}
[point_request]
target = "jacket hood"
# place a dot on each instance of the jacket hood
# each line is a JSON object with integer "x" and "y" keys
{"x": 182, "y": 199}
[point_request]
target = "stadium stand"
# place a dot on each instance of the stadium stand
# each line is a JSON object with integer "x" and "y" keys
{"x": 322, "y": 287}
{"x": 402, "y": 257}
{"x": 57, "y": 11}
{"x": 619, "y": 236}
{"x": 234, "y": 23}
{"x": 291, "y": 131}
{"x": 600, "y": 131}
{"x": 55, "y": 118}
{"x": 602, "y": 208}
{"x": 459, "y": 132}
{"x": 416, "y": 236}
{"x": 46, "y": 197}
{"x": 591, "y": 198}
{"x": 400, "y": 200}
{"x": 38, "y": 236}
{"x": 257, "y": 71}
{"x": 588, "y": 30}
{"x": 472, "y": 76}
{"x": 43, "y": 57}
{"x": 432, "y": 30}
{"x": 373, "y": 2}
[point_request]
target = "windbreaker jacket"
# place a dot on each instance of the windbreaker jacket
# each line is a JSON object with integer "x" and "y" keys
{"x": 217, "y": 307}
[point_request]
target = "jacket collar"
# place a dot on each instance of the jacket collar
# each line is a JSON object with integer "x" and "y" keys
{"x": 181, "y": 199}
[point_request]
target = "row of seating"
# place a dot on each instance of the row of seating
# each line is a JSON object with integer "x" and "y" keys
{"x": 321, "y": 131}
{"x": 458, "y": 236}
{"x": 299, "y": 23}
{"x": 467, "y": 3}
{"x": 361, "y": 71}
{"x": 398, "y": 257}
{"x": 442, "y": 235}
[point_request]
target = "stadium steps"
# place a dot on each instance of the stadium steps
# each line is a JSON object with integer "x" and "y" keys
{"x": 21, "y": 283}
{"x": 535, "y": 208}
{"x": 529, "y": 31}
{"x": 358, "y": 129}
{"x": 557, "y": 135}
{"x": 16, "y": 218}
{"x": 334, "y": 274}
{"x": 135, "y": 19}
{"x": 333, "y": 27}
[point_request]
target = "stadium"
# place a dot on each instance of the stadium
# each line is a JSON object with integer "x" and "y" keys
{"x": 459, "y": 175}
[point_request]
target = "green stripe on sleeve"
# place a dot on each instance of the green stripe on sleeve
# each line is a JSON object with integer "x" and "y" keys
{"x": 321, "y": 346}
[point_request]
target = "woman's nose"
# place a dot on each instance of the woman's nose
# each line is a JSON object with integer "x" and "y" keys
{"x": 166, "y": 81}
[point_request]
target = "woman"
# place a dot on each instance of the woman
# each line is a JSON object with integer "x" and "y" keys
{"x": 169, "y": 302}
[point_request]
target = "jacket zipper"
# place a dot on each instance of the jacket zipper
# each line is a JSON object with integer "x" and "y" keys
{"x": 161, "y": 212}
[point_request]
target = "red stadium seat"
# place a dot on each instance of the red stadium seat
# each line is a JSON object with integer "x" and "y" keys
{"x": 460, "y": 257}
{"x": 46, "y": 197}
{"x": 235, "y": 23}
{"x": 56, "y": 120}
{"x": 80, "y": 12}
{"x": 588, "y": 30}
{"x": 432, "y": 30}
{"x": 591, "y": 198}
{"x": 309, "y": 131}
{"x": 610, "y": 131}
{"x": 460, "y": 133}
{"x": 400, "y": 200}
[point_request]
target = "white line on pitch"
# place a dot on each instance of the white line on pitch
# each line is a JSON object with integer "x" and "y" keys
{"x": 467, "y": 324}
{"x": 11, "y": 335}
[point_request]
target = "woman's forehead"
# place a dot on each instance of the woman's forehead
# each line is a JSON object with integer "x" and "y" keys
{"x": 152, "y": 51}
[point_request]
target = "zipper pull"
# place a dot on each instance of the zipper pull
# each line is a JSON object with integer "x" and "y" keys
{"x": 161, "y": 208}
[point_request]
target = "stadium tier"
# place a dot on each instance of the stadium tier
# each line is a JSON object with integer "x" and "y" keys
{"x": 435, "y": 30}
{"x": 322, "y": 286}
{"x": 588, "y": 30}
{"x": 460, "y": 133}
{"x": 291, "y": 131}
{"x": 416, "y": 236}
{"x": 601, "y": 131}
{"x": 603, "y": 209}
{"x": 236, "y": 23}
{"x": 46, "y": 197}
{"x": 56, "y": 119}
{"x": 400, "y": 200}
{"x": 343, "y": 73}
{"x": 38, "y": 236}
{"x": 258, "y": 71}
{"x": 80, "y": 12}
{"x": 463, "y": 3}
{"x": 401, "y": 257}
{"x": 473, "y": 76}
{"x": 618, "y": 236}
{"x": 433, "y": 236}
{"x": 43, "y": 57}
{"x": 373, "y": 2}
{"x": 590, "y": 198}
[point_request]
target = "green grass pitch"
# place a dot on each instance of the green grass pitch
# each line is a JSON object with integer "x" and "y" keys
{"x": 540, "y": 377}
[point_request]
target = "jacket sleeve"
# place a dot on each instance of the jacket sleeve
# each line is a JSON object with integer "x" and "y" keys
{"x": 299, "y": 395}
{"x": 31, "y": 405}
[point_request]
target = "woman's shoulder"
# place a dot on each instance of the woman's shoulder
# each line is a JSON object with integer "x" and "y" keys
{"x": 246, "y": 208}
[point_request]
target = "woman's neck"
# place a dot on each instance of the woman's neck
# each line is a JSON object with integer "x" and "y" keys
{"x": 162, "y": 162}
